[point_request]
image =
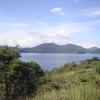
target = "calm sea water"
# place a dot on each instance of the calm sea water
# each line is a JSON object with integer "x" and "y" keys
{"x": 50, "y": 61}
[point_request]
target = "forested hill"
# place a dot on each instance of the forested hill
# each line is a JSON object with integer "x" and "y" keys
{"x": 55, "y": 48}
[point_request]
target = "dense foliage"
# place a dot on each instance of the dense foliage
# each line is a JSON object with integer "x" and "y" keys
{"x": 18, "y": 80}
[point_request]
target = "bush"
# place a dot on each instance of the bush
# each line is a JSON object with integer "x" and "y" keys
{"x": 25, "y": 79}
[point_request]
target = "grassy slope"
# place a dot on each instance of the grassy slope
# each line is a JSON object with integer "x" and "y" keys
{"x": 72, "y": 82}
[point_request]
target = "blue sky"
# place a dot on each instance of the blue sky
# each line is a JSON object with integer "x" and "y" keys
{"x": 31, "y": 22}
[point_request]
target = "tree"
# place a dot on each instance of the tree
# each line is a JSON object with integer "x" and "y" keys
{"x": 26, "y": 78}
{"x": 20, "y": 79}
{"x": 7, "y": 55}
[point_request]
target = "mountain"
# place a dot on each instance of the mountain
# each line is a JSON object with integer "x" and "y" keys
{"x": 96, "y": 51}
{"x": 93, "y": 49}
{"x": 54, "y": 48}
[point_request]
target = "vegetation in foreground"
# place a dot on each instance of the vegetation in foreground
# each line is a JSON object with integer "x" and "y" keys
{"x": 27, "y": 81}
{"x": 18, "y": 80}
{"x": 73, "y": 82}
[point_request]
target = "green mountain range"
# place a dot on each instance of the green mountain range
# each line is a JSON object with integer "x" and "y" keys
{"x": 54, "y": 48}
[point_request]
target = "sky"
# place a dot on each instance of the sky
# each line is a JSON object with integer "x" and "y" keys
{"x": 31, "y": 22}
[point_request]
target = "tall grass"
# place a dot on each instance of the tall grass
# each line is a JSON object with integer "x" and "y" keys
{"x": 81, "y": 92}
{"x": 73, "y": 82}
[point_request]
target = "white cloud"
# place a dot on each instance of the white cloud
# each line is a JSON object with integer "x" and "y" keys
{"x": 59, "y": 11}
{"x": 85, "y": 44}
{"x": 95, "y": 13}
{"x": 92, "y": 11}
{"x": 19, "y": 34}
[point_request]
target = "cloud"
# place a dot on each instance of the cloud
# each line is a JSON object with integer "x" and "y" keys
{"x": 84, "y": 43}
{"x": 92, "y": 11}
{"x": 29, "y": 35}
{"x": 21, "y": 35}
{"x": 59, "y": 11}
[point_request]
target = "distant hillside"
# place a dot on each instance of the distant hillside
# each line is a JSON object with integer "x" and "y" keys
{"x": 96, "y": 51}
{"x": 93, "y": 49}
{"x": 54, "y": 48}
